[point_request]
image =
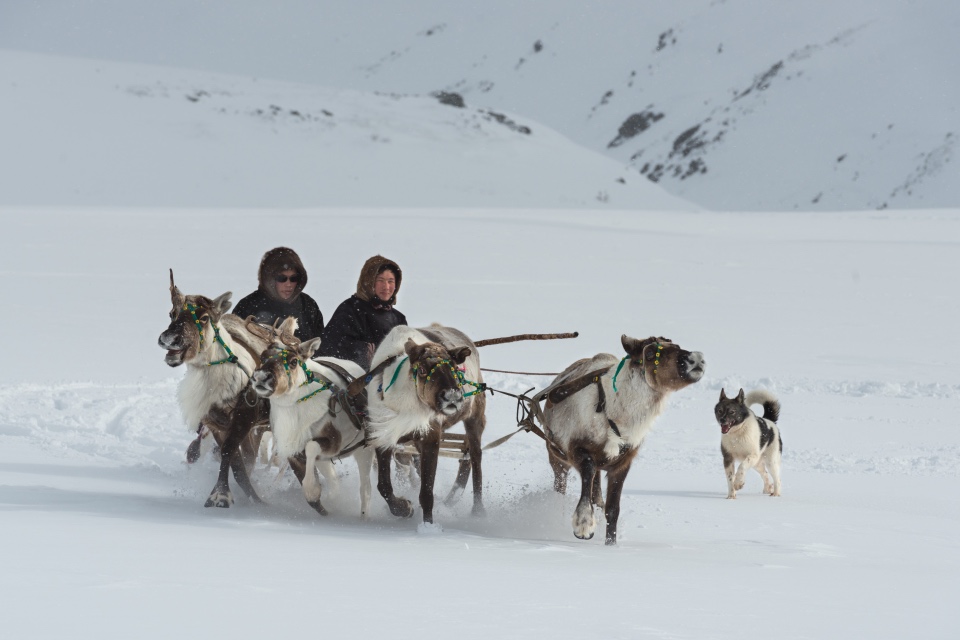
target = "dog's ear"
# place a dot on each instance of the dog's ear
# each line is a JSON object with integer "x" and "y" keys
{"x": 740, "y": 396}
{"x": 723, "y": 395}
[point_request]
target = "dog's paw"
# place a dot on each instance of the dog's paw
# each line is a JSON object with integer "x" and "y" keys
{"x": 731, "y": 496}
{"x": 738, "y": 485}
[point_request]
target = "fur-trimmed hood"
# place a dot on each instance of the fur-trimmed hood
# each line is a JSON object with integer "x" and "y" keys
{"x": 275, "y": 261}
{"x": 368, "y": 276}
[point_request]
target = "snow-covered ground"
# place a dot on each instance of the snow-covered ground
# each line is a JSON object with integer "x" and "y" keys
{"x": 847, "y": 317}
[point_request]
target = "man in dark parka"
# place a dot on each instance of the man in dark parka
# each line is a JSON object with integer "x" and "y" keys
{"x": 280, "y": 294}
{"x": 362, "y": 321}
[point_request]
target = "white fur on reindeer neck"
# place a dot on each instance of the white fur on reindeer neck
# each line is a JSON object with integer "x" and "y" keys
{"x": 205, "y": 386}
{"x": 399, "y": 412}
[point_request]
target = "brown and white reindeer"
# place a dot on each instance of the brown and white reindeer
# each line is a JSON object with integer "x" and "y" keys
{"x": 309, "y": 427}
{"x": 219, "y": 352}
{"x": 431, "y": 382}
{"x": 598, "y": 413}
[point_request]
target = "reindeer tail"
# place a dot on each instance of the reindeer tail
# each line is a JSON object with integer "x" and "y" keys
{"x": 771, "y": 406}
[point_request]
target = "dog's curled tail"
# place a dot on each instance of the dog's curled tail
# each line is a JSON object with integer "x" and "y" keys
{"x": 771, "y": 406}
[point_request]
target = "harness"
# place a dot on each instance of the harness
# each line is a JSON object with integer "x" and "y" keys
{"x": 529, "y": 411}
{"x": 458, "y": 375}
{"x": 310, "y": 376}
{"x": 231, "y": 358}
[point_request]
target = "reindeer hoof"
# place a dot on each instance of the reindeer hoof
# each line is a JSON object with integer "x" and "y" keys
{"x": 479, "y": 511}
{"x": 217, "y": 499}
{"x": 401, "y": 507}
{"x": 584, "y": 524}
{"x": 318, "y": 507}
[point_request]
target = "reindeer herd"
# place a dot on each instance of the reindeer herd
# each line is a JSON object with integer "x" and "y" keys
{"x": 244, "y": 380}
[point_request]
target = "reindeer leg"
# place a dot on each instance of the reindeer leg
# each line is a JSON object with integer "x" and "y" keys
{"x": 400, "y": 507}
{"x": 429, "y": 446}
{"x": 584, "y": 524}
{"x": 298, "y": 464}
{"x": 311, "y": 485}
{"x": 615, "y": 479}
{"x": 243, "y": 419}
{"x": 560, "y": 471}
{"x": 474, "y": 429}
{"x": 364, "y": 459}
{"x": 460, "y": 484}
{"x": 193, "y": 451}
{"x": 597, "y": 491}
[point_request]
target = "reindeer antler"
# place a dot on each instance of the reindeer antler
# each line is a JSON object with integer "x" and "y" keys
{"x": 175, "y": 296}
{"x": 286, "y": 329}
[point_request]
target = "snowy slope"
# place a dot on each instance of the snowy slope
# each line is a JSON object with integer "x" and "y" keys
{"x": 83, "y": 132}
{"x": 733, "y": 104}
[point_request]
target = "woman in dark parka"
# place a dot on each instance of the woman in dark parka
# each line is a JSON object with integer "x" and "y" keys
{"x": 362, "y": 321}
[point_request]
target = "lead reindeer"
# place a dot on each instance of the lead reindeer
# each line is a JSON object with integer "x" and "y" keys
{"x": 219, "y": 352}
{"x": 309, "y": 427}
{"x": 602, "y": 430}
{"x": 417, "y": 392}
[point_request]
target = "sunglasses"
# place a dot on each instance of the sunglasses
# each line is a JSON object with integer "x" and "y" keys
{"x": 283, "y": 278}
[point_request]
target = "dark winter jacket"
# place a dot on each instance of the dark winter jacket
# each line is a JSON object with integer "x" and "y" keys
{"x": 266, "y": 306}
{"x": 362, "y": 321}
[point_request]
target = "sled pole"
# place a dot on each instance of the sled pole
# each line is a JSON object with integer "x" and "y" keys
{"x": 527, "y": 336}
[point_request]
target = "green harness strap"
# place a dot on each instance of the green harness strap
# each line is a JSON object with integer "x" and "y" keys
{"x": 396, "y": 373}
{"x": 656, "y": 363}
{"x": 231, "y": 357}
{"x": 479, "y": 387}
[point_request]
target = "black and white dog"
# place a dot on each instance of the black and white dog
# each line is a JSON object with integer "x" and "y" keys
{"x": 754, "y": 441}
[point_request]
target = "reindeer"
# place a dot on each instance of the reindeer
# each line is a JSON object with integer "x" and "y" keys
{"x": 415, "y": 392}
{"x": 309, "y": 426}
{"x": 602, "y": 430}
{"x": 219, "y": 353}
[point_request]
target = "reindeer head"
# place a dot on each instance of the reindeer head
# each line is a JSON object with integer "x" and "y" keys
{"x": 191, "y": 320}
{"x": 281, "y": 367}
{"x": 436, "y": 376}
{"x": 665, "y": 366}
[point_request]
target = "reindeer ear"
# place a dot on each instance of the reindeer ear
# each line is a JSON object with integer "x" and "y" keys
{"x": 632, "y": 346}
{"x": 460, "y": 355}
{"x": 175, "y": 296}
{"x": 740, "y": 396}
{"x": 220, "y": 305}
{"x": 413, "y": 350}
{"x": 308, "y": 348}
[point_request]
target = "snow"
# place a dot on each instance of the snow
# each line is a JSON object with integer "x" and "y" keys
{"x": 847, "y": 316}
{"x": 816, "y": 105}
